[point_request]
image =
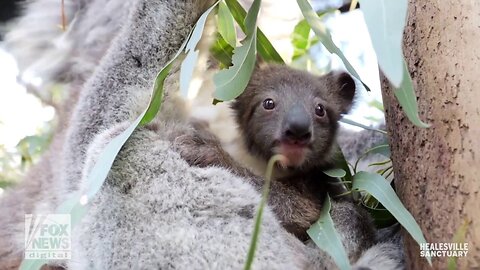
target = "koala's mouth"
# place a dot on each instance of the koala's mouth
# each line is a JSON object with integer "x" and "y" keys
{"x": 295, "y": 153}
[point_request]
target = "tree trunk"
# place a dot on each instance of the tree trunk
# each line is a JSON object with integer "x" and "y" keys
{"x": 437, "y": 170}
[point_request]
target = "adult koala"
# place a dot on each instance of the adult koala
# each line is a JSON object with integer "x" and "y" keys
{"x": 154, "y": 211}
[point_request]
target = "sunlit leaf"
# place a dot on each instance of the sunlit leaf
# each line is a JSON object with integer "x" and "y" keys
{"x": 226, "y": 28}
{"x": 265, "y": 48}
{"x": 300, "y": 39}
{"x": 231, "y": 82}
{"x": 379, "y": 187}
{"x": 186, "y": 71}
{"x": 325, "y": 236}
{"x": 188, "y": 65}
{"x": 377, "y": 105}
{"x": 407, "y": 98}
{"x": 324, "y": 35}
{"x": 385, "y": 21}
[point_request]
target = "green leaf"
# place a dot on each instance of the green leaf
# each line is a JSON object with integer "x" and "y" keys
{"x": 222, "y": 51}
{"x": 225, "y": 25}
{"x": 383, "y": 149}
{"x": 188, "y": 65}
{"x": 407, "y": 98}
{"x": 378, "y": 187}
{"x": 325, "y": 236}
{"x": 385, "y": 21}
{"x": 337, "y": 173}
{"x": 325, "y": 37}
{"x": 258, "y": 218}
{"x": 342, "y": 163}
{"x": 354, "y": 123}
{"x": 381, "y": 163}
{"x": 231, "y": 82}
{"x": 300, "y": 39}
{"x": 377, "y": 105}
{"x": 251, "y": 18}
{"x": 265, "y": 48}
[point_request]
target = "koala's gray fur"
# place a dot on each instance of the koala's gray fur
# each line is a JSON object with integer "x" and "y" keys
{"x": 154, "y": 211}
{"x": 355, "y": 144}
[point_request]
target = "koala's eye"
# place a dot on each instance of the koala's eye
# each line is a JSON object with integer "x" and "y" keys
{"x": 268, "y": 104}
{"x": 320, "y": 110}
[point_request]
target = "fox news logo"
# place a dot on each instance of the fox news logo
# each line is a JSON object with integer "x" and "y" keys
{"x": 48, "y": 237}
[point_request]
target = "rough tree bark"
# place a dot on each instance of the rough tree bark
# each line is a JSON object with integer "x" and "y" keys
{"x": 437, "y": 170}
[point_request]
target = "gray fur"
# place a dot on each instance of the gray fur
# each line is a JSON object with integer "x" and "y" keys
{"x": 154, "y": 210}
{"x": 355, "y": 144}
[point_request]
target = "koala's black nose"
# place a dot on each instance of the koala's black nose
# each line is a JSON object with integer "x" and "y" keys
{"x": 298, "y": 125}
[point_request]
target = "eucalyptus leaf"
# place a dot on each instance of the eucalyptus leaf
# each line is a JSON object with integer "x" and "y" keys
{"x": 32, "y": 264}
{"x": 325, "y": 236}
{"x": 258, "y": 218}
{"x": 265, "y": 48}
{"x": 100, "y": 170}
{"x": 231, "y": 82}
{"x": 407, "y": 98}
{"x": 378, "y": 187}
{"x": 188, "y": 65}
{"x": 377, "y": 105}
{"x": 300, "y": 39}
{"x": 336, "y": 172}
{"x": 385, "y": 21}
{"x": 226, "y": 28}
{"x": 196, "y": 34}
{"x": 222, "y": 51}
{"x": 186, "y": 71}
{"x": 325, "y": 37}
{"x": 354, "y": 123}
{"x": 382, "y": 149}
{"x": 380, "y": 163}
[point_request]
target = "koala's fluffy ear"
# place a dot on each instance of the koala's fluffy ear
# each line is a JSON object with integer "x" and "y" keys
{"x": 343, "y": 87}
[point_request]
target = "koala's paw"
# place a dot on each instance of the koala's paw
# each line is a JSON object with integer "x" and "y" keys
{"x": 200, "y": 148}
{"x": 296, "y": 212}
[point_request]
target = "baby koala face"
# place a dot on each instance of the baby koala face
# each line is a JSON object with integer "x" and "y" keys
{"x": 293, "y": 113}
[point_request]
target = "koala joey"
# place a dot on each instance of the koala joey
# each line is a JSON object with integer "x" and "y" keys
{"x": 292, "y": 113}
{"x": 146, "y": 216}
